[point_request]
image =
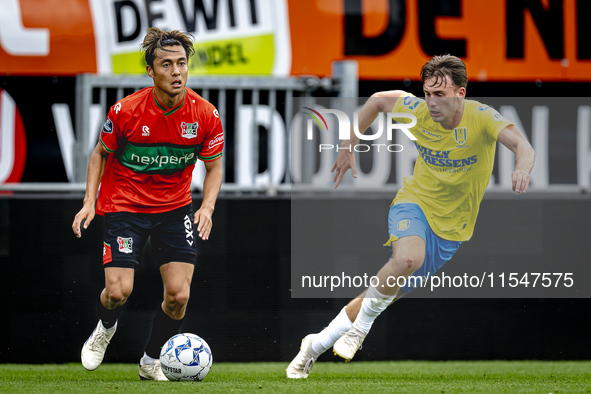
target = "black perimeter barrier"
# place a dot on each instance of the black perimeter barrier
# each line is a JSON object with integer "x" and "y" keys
{"x": 240, "y": 296}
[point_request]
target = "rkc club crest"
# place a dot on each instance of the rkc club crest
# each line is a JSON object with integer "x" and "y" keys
{"x": 189, "y": 130}
{"x": 460, "y": 135}
{"x": 403, "y": 224}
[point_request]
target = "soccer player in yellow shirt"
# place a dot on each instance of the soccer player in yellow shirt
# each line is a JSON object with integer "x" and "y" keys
{"x": 436, "y": 208}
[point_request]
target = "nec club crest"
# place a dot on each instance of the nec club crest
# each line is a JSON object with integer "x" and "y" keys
{"x": 125, "y": 244}
{"x": 189, "y": 130}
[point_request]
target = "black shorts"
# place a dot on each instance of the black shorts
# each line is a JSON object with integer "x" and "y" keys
{"x": 172, "y": 237}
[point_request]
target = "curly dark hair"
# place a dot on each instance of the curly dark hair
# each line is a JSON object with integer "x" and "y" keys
{"x": 445, "y": 65}
{"x": 158, "y": 39}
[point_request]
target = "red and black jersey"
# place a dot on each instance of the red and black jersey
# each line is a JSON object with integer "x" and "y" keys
{"x": 154, "y": 150}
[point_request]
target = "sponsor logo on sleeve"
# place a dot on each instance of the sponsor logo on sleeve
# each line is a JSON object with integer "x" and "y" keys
{"x": 217, "y": 140}
{"x": 108, "y": 126}
{"x": 216, "y": 113}
{"x": 117, "y": 108}
{"x": 411, "y": 102}
{"x": 497, "y": 116}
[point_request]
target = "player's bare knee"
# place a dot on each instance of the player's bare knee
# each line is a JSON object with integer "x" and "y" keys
{"x": 175, "y": 304}
{"x": 182, "y": 299}
{"x": 177, "y": 299}
{"x": 116, "y": 297}
{"x": 406, "y": 263}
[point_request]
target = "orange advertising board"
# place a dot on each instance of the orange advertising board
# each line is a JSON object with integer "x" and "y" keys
{"x": 499, "y": 40}
{"x": 49, "y": 37}
{"x": 68, "y": 37}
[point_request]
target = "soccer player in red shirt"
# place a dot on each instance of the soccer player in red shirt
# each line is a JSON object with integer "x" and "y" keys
{"x": 144, "y": 161}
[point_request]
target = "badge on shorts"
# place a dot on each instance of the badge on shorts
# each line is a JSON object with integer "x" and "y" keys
{"x": 125, "y": 244}
{"x": 403, "y": 224}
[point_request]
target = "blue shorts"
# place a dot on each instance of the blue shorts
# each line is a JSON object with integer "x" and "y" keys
{"x": 408, "y": 219}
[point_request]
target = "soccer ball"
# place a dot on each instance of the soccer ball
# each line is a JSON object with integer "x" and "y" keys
{"x": 186, "y": 357}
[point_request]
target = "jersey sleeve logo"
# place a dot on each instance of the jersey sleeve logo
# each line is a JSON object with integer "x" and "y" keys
{"x": 217, "y": 140}
{"x": 497, "y": 117}
{"x": 117, "y": 108}
{"x": 189, "y": 130}
{"x": 216, "y": 113}
{"x": 411, "y": 102}
{"x": 108, "y": 126}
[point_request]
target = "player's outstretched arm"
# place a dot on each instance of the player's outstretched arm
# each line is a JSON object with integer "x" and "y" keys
{"x": 96, "y": 168}
{"x": 211, "y": 188}
{"x": 378, "y": 102}
{"x": 525, "y": 156}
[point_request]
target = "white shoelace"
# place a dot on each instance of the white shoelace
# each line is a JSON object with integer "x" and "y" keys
{"x": 98, "y": 338}
{"x": 308, "y": 366}
{"x": 351, "y": 338}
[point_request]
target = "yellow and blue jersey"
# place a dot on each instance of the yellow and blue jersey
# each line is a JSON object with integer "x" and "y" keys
{"x": 453, "y": 167}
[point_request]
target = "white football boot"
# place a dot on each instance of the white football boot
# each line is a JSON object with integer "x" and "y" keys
{"x": 301, "y": 366}
{"x": 348, "y": 344}
{"x": 95, "y": 346}
{"x": 152, "y": 371}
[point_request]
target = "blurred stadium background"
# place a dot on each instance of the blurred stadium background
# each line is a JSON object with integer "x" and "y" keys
{"x": 64, "y": 62}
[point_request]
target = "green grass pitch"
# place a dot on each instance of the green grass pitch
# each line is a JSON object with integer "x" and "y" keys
{"x": 327, "y": 377}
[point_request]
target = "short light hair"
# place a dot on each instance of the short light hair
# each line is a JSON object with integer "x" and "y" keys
{"x": 445, "y": 65}
{"x": 158, "y": 39}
